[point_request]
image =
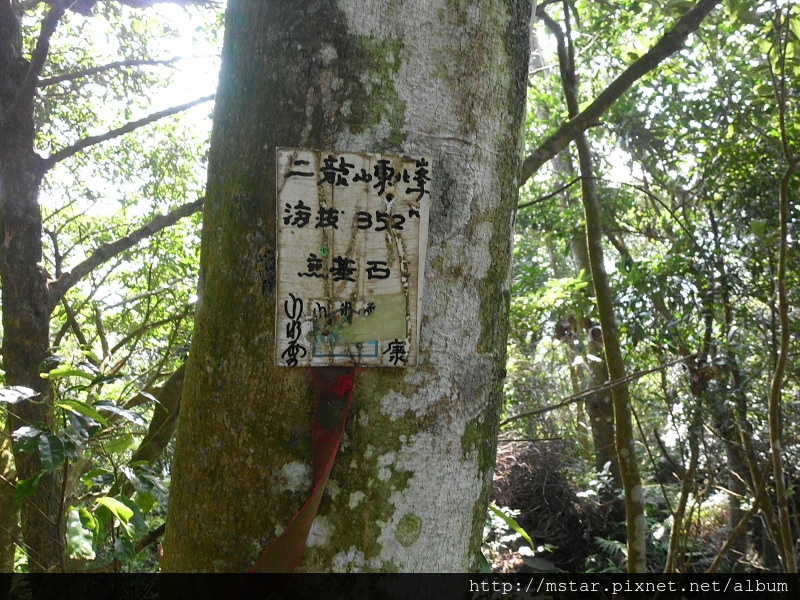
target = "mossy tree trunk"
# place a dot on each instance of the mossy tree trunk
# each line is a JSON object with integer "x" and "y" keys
{"x": 408, "y": 491}
{"x": 26, "y": 305}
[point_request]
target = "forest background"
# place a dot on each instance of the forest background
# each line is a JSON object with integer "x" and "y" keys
{"x": 683, "y": 141}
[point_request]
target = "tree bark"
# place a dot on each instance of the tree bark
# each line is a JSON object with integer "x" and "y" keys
{"x": 9, "y": 531}
{"x": 26, "y": 313}
{"x": 409, "y": 488}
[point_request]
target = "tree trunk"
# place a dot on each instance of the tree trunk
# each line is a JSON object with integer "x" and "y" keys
{"x": 9, "y": 531}
{"x": 623, "y": 427}
{"x": 409, "y": 488}
{"x": 26, "y": 310}
{"x": 599, "y": 406}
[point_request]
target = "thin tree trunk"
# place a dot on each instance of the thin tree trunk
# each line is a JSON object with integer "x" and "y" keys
{"x": 599, "y": 407}
{"x": 786, "y": 543}
{"x": 626, "y": 452}
{"x": 636, "y": 525}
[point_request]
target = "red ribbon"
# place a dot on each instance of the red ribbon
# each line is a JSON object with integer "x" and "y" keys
{"x": 333, "y": 394}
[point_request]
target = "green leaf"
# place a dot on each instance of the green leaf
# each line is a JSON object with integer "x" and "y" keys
{"x": 137, "y": 527}
{"x": 483, "y": 564}
{"x": 124, "y": 549}
{"x": 97, "y": 476}
{"x": 79, "y": 429}
{"x": 140, "y": 484}
{"x": 80, "y": 540}
{"x": 149, "y": 396}
{"x": 63, "y": 371}
{"x": 678, "y": 7}
{"x": 26, "y": 439}
{"x": 741, "y": 10}
{"x": 126, "y": 414}
{"x": 16, "y": 393}
{"x": 758, "y": 227}
{"x": 83, "y": 409}
{"x": 90, "y": 354}
{"x": 159, "y": 489}
{"x": 765, "y": 90}
{"x": 117, "y": 508}
{"x": 105, "y": 379}
{"x": 105, "y": 520}
{"x": 511, "y": 523}
{"x": 26, "y": 487}
{"x": 88, "y": 520}
{"x": 119, "y": 444}
{"x": 51, "y": 451}
{"x": 145, "y": 501}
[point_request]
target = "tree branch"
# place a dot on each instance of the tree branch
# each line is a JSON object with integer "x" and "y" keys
{"x": 108, "y": 251}
{"x": 552, "y": 194}
{"x": 135, "y": 298}
{"x": 102, "y": 68}
{"x": 671, "y": 42}
{"x": 86, "y": 7}
{"x": 80, "y": 145}
{"x": 24, "y": 98}
{"x": 608, "y": 385}
{"x": 138, "y": 332}
{"x": 165, "y": 418}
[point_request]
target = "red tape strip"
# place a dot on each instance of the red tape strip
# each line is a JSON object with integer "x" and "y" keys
{"x": 333, "y": 395}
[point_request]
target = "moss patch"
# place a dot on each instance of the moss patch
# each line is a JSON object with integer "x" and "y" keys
{"x": 408, "y": 530}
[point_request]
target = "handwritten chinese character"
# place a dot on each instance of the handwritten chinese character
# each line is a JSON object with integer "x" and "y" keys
{"x": 320, "y": 311}
{"x": 362, "y": 175}
{"x": 302, "y": 163}
{"x": 346, "y": 310}
{"x": 333, "y": 173}
{"x": 377, "y": 269}
{"x": 342, "y": 269}
{"x": 421, "y": 179}
{"x": 397, "y": 351}
{"x": 313, "y": 267}
{"x": 384, "y": 176}
{"x": 293, "y": 309}
{"x": 327, "y": 217}
{"x": 299, "y": 216}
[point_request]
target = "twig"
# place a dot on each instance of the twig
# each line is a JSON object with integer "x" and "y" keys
{"x": 46, "y": 81}
{"x": 670, "y": 42}
{"x": 590, "y": 391}
{"x": 552, "y": 194}
{"x": 92, "y": 140}
{"x": 108, "y": 251}
{"x": 135, "y": 298}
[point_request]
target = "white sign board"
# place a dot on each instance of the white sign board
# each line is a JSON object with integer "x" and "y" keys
{"x": 352, "y": 232}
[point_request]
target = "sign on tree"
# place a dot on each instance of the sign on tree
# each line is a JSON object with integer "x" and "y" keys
{"x": 352, "y": 231}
